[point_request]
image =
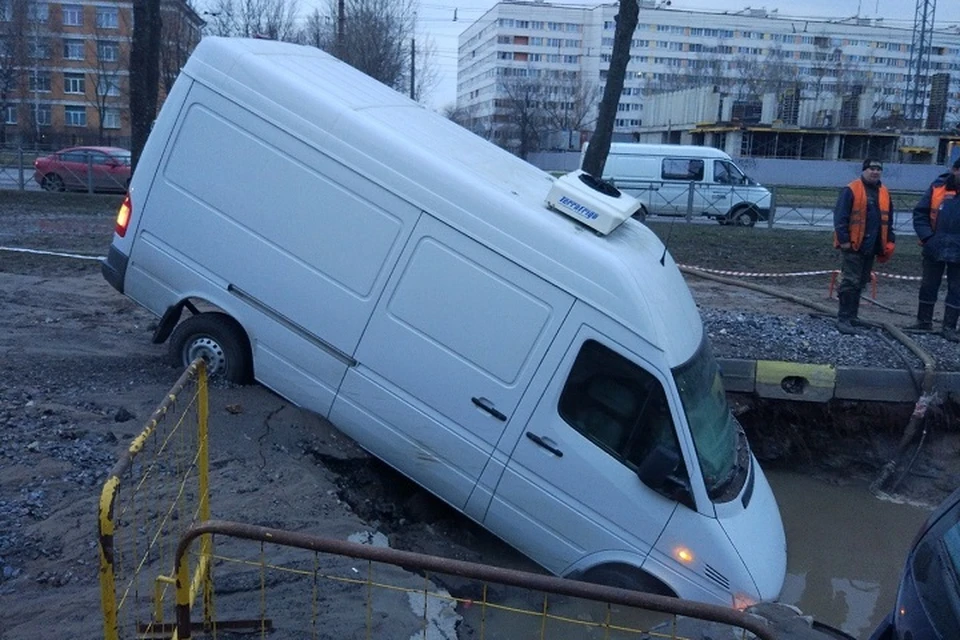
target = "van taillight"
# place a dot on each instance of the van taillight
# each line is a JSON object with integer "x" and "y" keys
{"x": 123, "y": 217}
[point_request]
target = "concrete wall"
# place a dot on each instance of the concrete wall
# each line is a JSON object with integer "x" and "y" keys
{"x": 771, "y": 171}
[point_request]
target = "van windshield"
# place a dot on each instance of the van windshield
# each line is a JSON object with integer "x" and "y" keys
{"x": 717, "y": 436}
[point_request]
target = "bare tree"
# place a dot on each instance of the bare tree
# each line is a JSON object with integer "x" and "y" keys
{"x": 378, "y": 38}
{"x": 13, "y": 26}
{"x": 318, "y": 30}
{"x": 179, "y": 38}
{"x": 110, "y": 55}
{"x": 569, "y": 103}
{"x": 273, "y": 19}
{"x": 222, "y": 18}
{"x": 706, "y": 69}
{"x": 523, "y": 118}
{"x": 468, "y": 118}
{"x": 596, "y": 155}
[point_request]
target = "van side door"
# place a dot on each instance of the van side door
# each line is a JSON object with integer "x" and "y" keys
{"x": 448, "y": 353}
{"x": 569, "y": 493}
{"x": 715, "y": 196}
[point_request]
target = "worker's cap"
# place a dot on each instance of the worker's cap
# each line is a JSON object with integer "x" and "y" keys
{"x": 872, "y": 163}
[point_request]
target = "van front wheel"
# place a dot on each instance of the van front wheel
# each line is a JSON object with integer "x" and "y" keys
{"x": 744, "y": 217}
{"x": 219, "y": 340}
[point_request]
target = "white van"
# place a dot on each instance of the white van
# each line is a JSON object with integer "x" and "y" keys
{"x": 677, "y": 180}
{"x": 374, "y": 262}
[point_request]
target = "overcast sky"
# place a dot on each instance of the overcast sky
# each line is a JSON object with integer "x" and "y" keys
{"x": 437, "y": 23}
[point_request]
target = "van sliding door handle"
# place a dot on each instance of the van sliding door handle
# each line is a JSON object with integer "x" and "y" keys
{"x": 543, "y": 443}
{"x": 486, "y": 405}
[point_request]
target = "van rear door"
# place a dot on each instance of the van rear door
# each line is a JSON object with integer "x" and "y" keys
{"x": 635, "y": 175}
{"x": 448, "y": 353}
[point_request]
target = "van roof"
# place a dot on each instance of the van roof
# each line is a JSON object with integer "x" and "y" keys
{"x": 463, "y": 180}
{"x": 683, "y": 150}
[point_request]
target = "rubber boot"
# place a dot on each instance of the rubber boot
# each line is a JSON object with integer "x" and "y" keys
{"x": 855, "y": 310}
{"x": 847, "y": 313}
{"x": 950, "y": 315}
{"x": 924, "y": 318}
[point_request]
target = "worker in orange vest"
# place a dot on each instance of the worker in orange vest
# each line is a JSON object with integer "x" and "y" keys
{"x": 863, "y": 231}
{"x": 936, "y": 219}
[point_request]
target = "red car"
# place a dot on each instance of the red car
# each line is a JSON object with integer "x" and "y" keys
{"x": 84, "y": 168}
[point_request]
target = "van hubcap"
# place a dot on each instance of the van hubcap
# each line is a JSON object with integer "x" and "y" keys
{"x": 211, "y": 352}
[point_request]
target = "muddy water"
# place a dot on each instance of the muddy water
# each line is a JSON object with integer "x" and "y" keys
{"x": 845, "y": 550}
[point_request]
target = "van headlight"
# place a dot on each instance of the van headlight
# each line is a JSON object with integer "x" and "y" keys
{"x": 741, "y": 601}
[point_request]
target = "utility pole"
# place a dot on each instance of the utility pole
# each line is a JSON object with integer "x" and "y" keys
{"x": 413, "y": 68}
{"x": 341, "y": 36}
{"x": 919, "y": 62}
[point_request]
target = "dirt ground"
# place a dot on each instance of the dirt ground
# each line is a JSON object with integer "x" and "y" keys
{"x": 80, "y": 376}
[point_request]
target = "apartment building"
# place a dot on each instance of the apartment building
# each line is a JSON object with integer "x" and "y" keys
{"x": 854, "y": 72}
{"x": 64, "y": 68}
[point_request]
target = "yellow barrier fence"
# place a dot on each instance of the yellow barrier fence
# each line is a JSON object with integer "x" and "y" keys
{"x": 157, "y": 489}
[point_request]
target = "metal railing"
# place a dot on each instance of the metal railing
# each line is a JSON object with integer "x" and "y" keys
{"x": 18, "y": 172}
{"x": 155, "y": 491}
{"x": 330, "y": 583}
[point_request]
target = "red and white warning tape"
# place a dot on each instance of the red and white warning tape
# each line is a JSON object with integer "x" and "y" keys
{"x": 748, "y": 274}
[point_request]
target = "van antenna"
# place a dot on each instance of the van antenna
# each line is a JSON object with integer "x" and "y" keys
{"x": 663, "y": 257}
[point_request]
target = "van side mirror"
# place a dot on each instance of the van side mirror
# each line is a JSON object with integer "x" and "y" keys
{"x": 659, "y": 464}
{"x": 658, "y": 471}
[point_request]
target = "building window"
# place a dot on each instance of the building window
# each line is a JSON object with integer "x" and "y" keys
{"x": 108, "y": 51}
{"x": 72, "y": 15}
{"x": 108, "y": 86}
{"x": 73, "y": 49}
{"x": 41, "y": 114}
{"x": 10, "y": 114}
{"x": 111, "y": 118}
{"x": 38, "y": 49}
{"x": 38, "y": 11}
{"x": 75, "y": 116}
{"x": 73, "y": 83}
{"x": 107, "y": 18}
{"x": 40, "y": 82}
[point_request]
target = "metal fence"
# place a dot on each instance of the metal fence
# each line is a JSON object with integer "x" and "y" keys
{"x": 154, "y": 493}
{"x": 307, "y": 586}
{"x": 81, "y": 171}
{"x": 790, "y": 207}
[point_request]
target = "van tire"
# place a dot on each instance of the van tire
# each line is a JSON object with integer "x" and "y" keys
{"x": 627, "y": 577}
{"x": 641, "y": 214}
{"x": 743, "y": 216}
{"x": 219, "y": 340}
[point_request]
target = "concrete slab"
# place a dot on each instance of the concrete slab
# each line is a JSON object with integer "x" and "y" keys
{"x": 805, "y": 382}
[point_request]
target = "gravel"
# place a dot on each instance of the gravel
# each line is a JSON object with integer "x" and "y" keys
{"x": 814, "y": 339}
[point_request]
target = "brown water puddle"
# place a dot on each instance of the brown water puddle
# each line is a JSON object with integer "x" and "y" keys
{"x": 845, "y": 549}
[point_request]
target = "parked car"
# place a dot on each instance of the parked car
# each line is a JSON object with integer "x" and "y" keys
{"x": 928, "y": 600}
{"x": 84, "y": 168}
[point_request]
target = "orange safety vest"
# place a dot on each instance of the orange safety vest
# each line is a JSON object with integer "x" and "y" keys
{"x": 936, "y": 199}
{"x": 858, "y": 215}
